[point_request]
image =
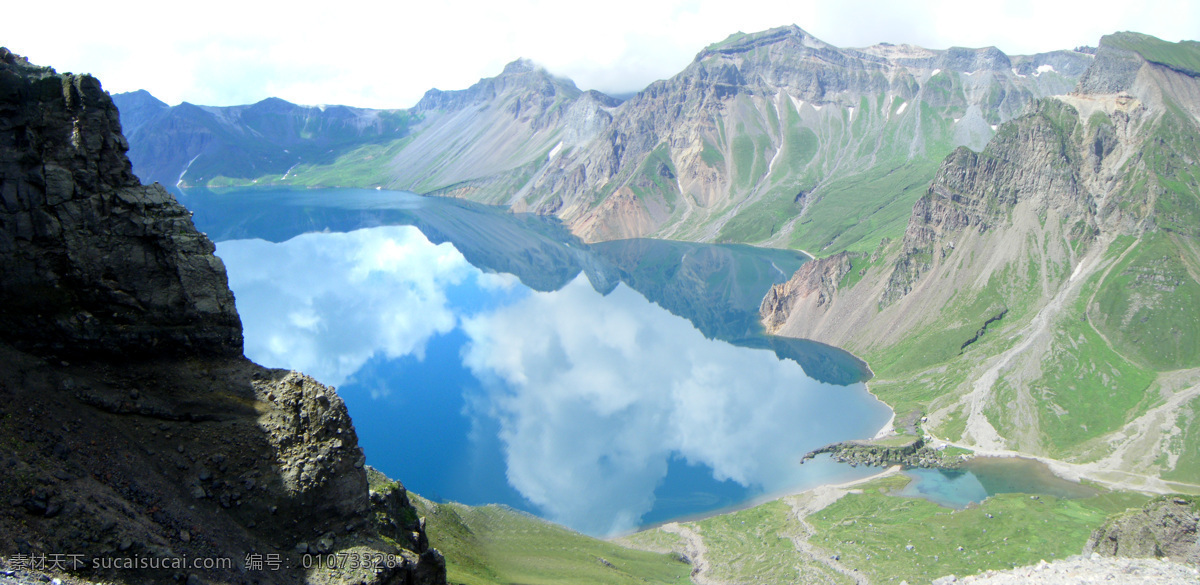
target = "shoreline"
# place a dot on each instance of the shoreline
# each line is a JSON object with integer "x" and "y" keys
{"x": 1078, "y": 472}
{"x": 758, "y": 501}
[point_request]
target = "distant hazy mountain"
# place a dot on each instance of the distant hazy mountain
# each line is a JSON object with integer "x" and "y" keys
{"x": 201, "y": 145}
{"x": 774, "y": 137}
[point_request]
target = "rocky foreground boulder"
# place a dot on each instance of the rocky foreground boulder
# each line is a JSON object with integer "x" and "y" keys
{"x": 1167, "y": 527}
{"x": 137, "y": 444}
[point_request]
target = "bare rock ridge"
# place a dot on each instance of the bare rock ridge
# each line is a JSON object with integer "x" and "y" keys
{"x": 133, "y": 433}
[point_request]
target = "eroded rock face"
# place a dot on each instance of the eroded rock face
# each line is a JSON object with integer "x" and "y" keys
{"x": 1033, "y": 157}
{"x": 1167, "y": 527}
{"x": 131, "y": 426}
{"x": 816, "y": 277}
{"x": 90, "y": 259}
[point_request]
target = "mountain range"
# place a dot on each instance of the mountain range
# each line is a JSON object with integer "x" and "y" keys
{"x": 764, "y": 138}
{"x": 1032, "y": 289}
{"x": 1044, "y": 297}
{"x": 1010, "y": 241}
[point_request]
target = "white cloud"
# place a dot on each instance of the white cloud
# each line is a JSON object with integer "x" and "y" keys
{"x": 595, "y": 393}
{"x": 326, "y": 303}
{"x": 377, "y": 54}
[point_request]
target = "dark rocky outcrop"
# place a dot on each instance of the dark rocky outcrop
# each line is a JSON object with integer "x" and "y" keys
{"x": 1167, "y": 527}
{"x": 913, "y": 454}
{"x": 90, "y": 259}
{"x": 131, "y": 427}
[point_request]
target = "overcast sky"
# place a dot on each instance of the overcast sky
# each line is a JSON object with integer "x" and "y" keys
{"x": 387, "y": 54}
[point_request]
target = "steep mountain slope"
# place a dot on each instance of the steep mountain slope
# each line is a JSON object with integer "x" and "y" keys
{"x": 1045, "y": 296}
{"x": 134, "y": 436}
{"x": 774, "y": 137}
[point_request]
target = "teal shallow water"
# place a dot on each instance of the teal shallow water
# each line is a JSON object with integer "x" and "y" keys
{"x": 987, "y": 476}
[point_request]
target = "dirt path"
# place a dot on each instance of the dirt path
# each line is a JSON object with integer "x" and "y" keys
{"x": 812, "y": 501}
{"x": 696, "y": 551}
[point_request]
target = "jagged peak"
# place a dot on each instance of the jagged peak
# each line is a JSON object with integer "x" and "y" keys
{"x": 520, "y": 75}
{"x": 140, "y": 94}
{"x": 740, "y": 41}
{"x": 521, "y": 65}
{"x": 22, "y": 65}
{"x": 272, "y": 104}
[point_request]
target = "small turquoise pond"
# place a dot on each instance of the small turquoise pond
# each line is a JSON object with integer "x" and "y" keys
{"x": 987, "y": 476}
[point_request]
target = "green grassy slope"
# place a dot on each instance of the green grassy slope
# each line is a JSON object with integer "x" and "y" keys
{"x": 495, "y": 545}
{"x": 1182, "y": 56}
{"x": 1130, "y": 323}
{"x": 870, "y": 530}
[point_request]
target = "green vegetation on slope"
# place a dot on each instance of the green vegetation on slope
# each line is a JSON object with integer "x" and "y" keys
{"x": 1187, "y": 444}
{"x": 1086, "y": 388}
{"x": 873, "y": 531}
{"x": 1150, "y": 306}
{"x": 1183, "y": 56}
{"x": 755, "y": 546}
{"x": 761, "y": 221}
{"x": 495, "y": 545}
{"x": 855, "y": 212}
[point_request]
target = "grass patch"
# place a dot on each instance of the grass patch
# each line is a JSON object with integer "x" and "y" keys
{"x": 872, "y": 532}
{"x": 711, "y": 156}
{"x": 1086, "y": 389}
{"x": 856, "y": 212}
{"x": 493, "y": 545}
{"x": 1187, "y": 445}
{"x": 755, "y": 546}
{"x": 756, "y": 223}
{"x": 1150, "y": 305}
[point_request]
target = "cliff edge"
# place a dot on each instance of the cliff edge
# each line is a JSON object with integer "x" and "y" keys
{"x": 137, "y": 444}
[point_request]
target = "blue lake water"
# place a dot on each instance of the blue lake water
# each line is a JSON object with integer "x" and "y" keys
{"x": 603, "y": 387}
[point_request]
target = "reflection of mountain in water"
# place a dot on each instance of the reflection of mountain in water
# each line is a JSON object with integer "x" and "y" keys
{"x": 716, "y": 287}
{"x": 719, "y": 288}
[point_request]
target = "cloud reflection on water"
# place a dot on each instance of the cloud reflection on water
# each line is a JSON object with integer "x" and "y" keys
{"x": 325, "y": 303}
{"x": 593, "y": 394}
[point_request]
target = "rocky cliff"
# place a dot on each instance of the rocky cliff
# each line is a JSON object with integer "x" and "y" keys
{"x": 90, "y": 259}
{"x": 138, "y": 445}
{"x": 1043, "y": 295}
{"x": 756, "y": 133}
